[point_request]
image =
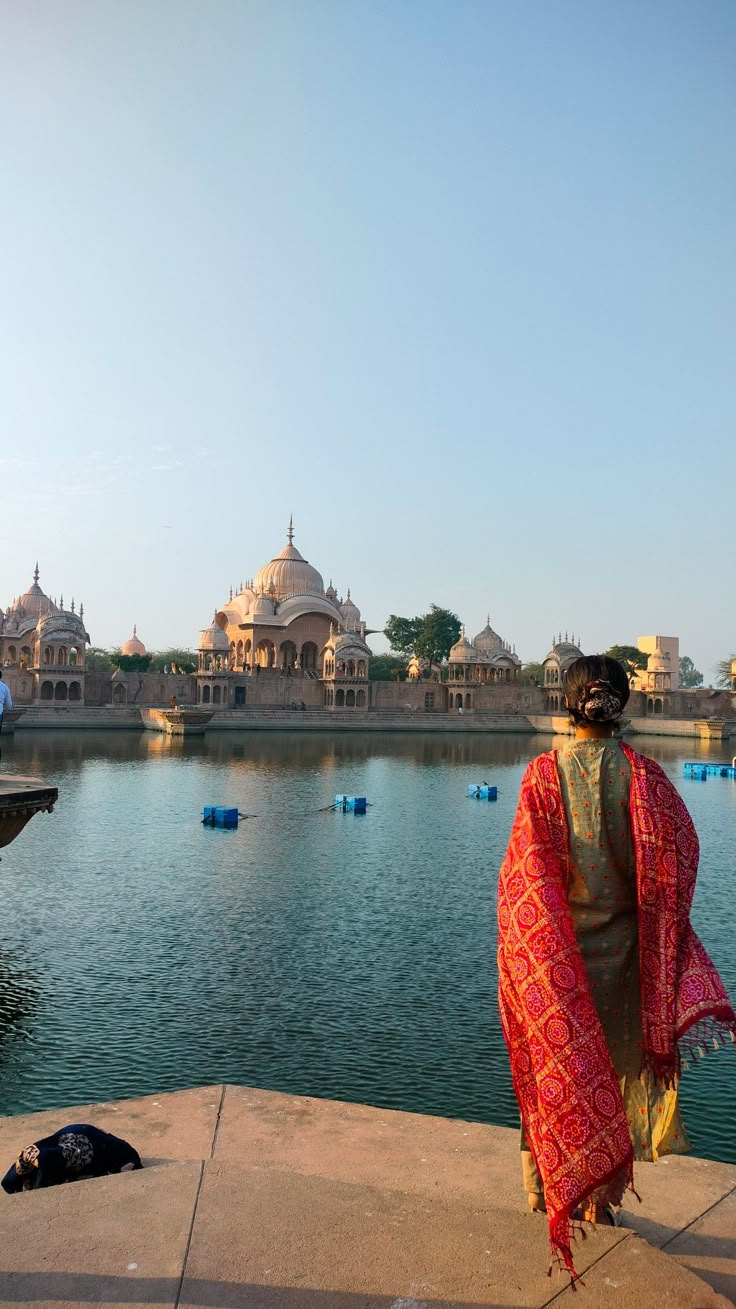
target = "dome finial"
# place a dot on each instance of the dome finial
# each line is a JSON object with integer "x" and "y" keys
{"x": 135, "y": 629}
{"x": 290, "y": 532}
{"x": 36, "y": 573}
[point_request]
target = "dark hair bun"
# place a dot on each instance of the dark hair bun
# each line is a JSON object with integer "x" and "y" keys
{"x": 600, "y": 703}
{"x": 596, "y": 689}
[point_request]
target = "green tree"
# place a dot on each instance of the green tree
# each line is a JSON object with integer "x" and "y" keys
{"x": 387, "y": 668}
{"x": 429, "y": 636}
{"x": 630, "y": 656}
{"x": 532, "y": 674}
{"x": 723, "y": 671}
{"x": 401, "y": 634}
{"x": 133, "y": 663}
{"x": 185, "y": 659}
{"x": 438, "y": 632}
{"x": 98, "y": 660}
{"x": 690, "y": 676}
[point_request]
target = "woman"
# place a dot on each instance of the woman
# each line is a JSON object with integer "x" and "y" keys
{"x": 603, "y": 985}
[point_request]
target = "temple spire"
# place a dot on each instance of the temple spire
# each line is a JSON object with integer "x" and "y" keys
{"x": 36, "y": 573}
{"x": 290, "y": 532}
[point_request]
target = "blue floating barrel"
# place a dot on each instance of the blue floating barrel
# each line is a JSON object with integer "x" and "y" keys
{"x": 483, "y": 792}
{"x": 698, "y": 772}
{"x": 354, "y": 804}
{"x": 219, "y": 816}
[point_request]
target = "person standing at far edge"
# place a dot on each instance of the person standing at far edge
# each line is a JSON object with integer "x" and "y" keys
{"x": 6, "y": 702}
{"x": 604, "y": 987}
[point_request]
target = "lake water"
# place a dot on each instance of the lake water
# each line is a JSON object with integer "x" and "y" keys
{"x": 323, "y": 954}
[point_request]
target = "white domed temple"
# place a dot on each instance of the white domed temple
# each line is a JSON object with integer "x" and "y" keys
{"x": 42, "y": 647}
{"x": 285, "y": 624}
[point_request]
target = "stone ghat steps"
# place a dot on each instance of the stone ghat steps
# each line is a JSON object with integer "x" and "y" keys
{"x": 270, "y": 1201}
{"x": 80, "y": 716}
{"x": 372, "y": 720}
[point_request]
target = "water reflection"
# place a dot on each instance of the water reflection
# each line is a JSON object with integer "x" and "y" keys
{"x": 307, "y": 951}
{"x": 20, "y": 995}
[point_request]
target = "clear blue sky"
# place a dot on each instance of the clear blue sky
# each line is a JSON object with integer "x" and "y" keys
{"x": 451, "y": 281}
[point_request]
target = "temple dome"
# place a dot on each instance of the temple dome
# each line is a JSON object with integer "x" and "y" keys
{"x": 34, "y": 603}
{"x": 659, "y": 662}
{"x": 564, "y": 651}
{"x": 213, "y": 638}
{"x": 289, "y": 574}
{"x": 350, "y": 614}
{"x": 488, "y": 640}
{"x": 133, "y": 645}
{"x": 263, "y": 605}
{"x": 463, "y": 652}
{"x": 345, "y": 642}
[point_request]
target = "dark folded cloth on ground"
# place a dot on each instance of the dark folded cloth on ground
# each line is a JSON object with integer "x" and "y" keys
{"x": 79, "y": 1150}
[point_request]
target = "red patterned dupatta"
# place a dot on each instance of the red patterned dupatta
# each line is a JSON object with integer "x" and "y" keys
{"x": 564, "y": 1079}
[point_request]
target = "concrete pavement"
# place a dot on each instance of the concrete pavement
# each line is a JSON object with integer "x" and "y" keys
{"x": 256, "y": 1200}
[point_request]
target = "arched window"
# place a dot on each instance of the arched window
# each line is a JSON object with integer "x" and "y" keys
{"x": 48, "y": 655}
{"x": 61, "y": 657}
{"x": 75, "y": 691}
{"x": 657, "y": 706}
{"x": 360, "y": 699}
{"x": 205, "y": 695}
{"x": 73, "y": 656}
{"x": 216, "y": 695}
{"x": 224, "y": 694}
{"x": 265, "y": 654}
{"x": 459, "y": 700}
{"x": 120, "y": 694}
{"x": 239, "y": 654}
{"x": 60, "y": 691}
{"x": 350, "y": 670}
{"x": 47, "y": 690}
{"x": 287, "y": 654}
{"x": 350, "y": 699}
{"x": 308, "y": 657}
{"x": 650, "y": 705}
{"x": 25, "y": 655}
{"x": 340, "y": 697}
{"x": 362, "y": 668}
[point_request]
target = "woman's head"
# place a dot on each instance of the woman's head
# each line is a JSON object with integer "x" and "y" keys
{"x": 596, "y": 689}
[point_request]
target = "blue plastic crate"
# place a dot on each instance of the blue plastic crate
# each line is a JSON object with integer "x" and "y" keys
{"x": 354, "y": 804}
{"x": 219, "y": 816}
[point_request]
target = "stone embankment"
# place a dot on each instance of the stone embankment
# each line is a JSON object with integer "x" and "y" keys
{"x": 130, "y": 718}
{"x": 255, "y": 1200}
{"x": 257, "y": 718}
